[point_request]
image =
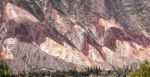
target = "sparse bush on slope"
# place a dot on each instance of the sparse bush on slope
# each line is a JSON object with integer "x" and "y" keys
{"x": 143, "y": 71}
{"x": 4, "y": 70}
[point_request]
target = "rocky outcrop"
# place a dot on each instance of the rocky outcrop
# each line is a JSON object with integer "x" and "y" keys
{"x": 27, "y": 57}
{"x": 79, "y": 33}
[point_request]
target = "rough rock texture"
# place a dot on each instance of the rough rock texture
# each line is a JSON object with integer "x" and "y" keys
{"x": 28, "y": 57}
{"x": 74, "y": 32}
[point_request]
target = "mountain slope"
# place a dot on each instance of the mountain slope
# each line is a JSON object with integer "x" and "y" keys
{"x": 85, "y": 33}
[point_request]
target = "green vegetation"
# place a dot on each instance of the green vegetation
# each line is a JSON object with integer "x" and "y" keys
{"x": 4, "y": 70}
{"x": 95, "y": 71}
{"x": 143, "y": 71}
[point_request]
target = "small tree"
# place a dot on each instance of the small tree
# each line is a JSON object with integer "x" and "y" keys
{"x": 143, "y": 71}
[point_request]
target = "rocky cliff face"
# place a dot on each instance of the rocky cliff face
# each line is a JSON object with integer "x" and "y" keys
{"x": 64, "y": 34}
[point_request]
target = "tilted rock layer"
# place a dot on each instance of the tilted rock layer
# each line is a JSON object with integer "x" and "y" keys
{"x": 65, "y": 34}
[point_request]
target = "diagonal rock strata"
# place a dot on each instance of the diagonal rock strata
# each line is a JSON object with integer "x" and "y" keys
{"x": 86, "y": 33}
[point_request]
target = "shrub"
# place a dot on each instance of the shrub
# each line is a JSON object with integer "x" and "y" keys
{"x": 143, "y": 71}
{"x": 4, "y": 70}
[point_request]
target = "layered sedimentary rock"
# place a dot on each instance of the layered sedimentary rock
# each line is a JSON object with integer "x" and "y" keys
{"x": 58, "y": 34}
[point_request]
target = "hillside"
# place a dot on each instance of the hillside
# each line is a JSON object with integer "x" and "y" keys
{"x": 68, "y": 34}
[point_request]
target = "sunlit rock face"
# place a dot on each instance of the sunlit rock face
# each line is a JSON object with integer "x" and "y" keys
{"x": 26, "y": 57}
{"x": 58, "y": 34}
{"x": 8, "y": 44}
{"x": 65, "y": 52}
{"x": 16, "y": 13}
